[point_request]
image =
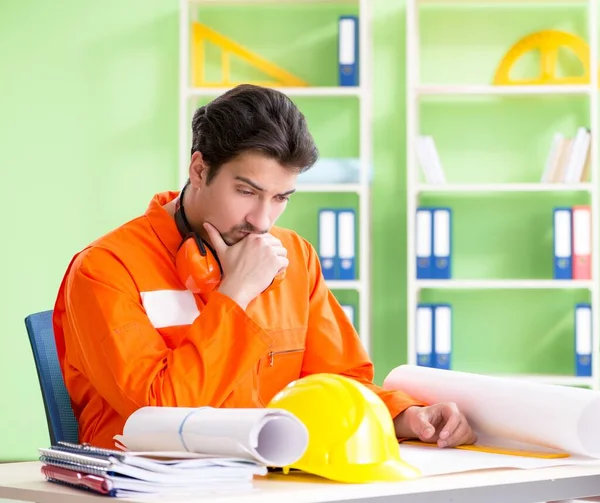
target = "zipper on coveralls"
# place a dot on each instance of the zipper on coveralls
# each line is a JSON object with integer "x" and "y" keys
{"x": 273, "y": 353}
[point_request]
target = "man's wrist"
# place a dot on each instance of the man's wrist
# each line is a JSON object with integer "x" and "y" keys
{"x": 235, "y": 293}
{"x": 402, "y": 423}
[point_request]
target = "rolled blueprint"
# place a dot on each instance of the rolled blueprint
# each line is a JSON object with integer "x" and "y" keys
{"x": 510, "y": 410}
{"x": 272, "y": 437}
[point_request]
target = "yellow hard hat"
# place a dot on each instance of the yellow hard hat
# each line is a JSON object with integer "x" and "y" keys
{"x": 351, "y": 436}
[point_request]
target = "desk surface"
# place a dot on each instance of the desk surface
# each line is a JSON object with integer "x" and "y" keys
{"x": 24, "y": 481}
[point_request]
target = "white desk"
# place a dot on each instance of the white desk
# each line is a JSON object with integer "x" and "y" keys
{"x": 23, "y": 481}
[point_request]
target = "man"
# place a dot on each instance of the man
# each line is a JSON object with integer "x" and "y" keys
{"x": 142, "y": 317}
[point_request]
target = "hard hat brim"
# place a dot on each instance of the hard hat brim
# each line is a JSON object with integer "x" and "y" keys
{"x": 389, "y": 471}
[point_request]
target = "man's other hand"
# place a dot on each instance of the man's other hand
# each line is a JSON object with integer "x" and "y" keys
{"x": 440, "y": 423}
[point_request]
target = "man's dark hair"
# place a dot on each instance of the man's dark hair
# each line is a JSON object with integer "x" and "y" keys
{"x": 252, "y": 118}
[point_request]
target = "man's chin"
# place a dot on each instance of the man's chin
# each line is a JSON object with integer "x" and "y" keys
{"x": 231, "y": 240}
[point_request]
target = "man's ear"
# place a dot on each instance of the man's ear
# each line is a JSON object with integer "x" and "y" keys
{"x": 198, "y": 170}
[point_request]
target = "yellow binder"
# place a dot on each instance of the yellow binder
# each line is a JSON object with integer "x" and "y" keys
{"x": 498, "y": 450}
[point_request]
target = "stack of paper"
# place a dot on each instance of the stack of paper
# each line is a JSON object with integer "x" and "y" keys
{"x": 126, "y": 474}
{"x": 169, "y": 450}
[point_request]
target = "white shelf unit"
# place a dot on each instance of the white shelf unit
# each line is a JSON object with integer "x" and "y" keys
{"x": 363, "y": 93}
{"x": 504, "y": 187}
{"x": 489, "y": 90}
{"x": 501, "y": 284}
{"x": 417, "y": 91}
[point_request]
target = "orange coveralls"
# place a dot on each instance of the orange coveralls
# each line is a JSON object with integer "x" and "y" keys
{"x": 129, "y": 334}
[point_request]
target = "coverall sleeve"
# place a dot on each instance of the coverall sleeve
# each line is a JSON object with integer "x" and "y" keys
{"x": 333, "y": 345}
{"x": 128, "y": 361}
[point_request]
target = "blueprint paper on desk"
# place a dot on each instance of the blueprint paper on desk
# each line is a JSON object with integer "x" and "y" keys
{"x": 436, "y": 461}
{"x": 271, "y": 437}
{"x": 505, "y": 412}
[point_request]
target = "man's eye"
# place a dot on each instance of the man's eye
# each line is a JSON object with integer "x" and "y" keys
{"x": 245, "y": 192}
{"x": 282, "y": 199}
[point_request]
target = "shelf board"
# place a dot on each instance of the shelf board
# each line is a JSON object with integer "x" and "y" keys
{"x": 250, "y": 2}
{"x": 500, "y": 2}
{"x": 506, "y": 187}
{"x": 491, "y": 90}
{"x": 502, "y": 284}
{"x": 329, "y": 187}
{"x": 342, "y": 284}
{"x": 562, "y": 380}
{"x": 316, "y": 91}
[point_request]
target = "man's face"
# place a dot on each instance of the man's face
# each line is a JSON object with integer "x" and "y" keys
{"x": 247, "y": 195}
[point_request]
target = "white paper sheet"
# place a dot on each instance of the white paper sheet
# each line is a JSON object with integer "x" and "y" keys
{"x": 505, "y": 411}
{"x": 436, "y": 461}
{"x": 273, "y": 437}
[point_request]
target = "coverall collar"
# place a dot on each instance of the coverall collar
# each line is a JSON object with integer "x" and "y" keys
{"x": 162, "y": 223}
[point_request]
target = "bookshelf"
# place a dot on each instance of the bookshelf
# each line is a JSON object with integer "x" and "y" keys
{"x": 322, "y": 92}
{"x": 486, "y": 181}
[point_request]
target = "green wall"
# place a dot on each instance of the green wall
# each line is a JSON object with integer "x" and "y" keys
{"x": 89, "y": 128}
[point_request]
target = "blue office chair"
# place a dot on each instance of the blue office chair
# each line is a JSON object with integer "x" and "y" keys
{"x": 62, "y": 424}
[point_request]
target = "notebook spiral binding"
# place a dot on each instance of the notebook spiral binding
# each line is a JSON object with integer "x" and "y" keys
{"x": 87, "y": 449}
{"x": 87, "y": 467}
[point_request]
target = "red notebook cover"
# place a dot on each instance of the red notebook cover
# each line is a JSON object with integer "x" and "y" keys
{"x": 77, "y": 479}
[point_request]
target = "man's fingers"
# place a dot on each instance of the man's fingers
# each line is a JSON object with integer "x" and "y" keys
{"x": 452, "y": 423}
{"x": 280, "y": 251}
{"x": 471, "y": 437}
{"x": 269, "y": 239}
{"x": 424, "y": 429}
{"x": 215, "y": 237}
{"x": 460, "y": 436}
{"x": 283, "y": 262}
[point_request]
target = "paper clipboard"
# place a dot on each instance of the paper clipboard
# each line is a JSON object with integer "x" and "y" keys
{"x": 497, "y": 450}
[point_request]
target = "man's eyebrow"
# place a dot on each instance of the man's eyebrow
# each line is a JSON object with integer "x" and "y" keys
{"x": 289, "y": 192}
{"x": 259, "y": 188}
{"x": 249, "y": 182}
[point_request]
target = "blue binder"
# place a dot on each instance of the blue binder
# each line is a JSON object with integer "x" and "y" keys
{"x": 424, "y": 335}
{"x": 442, "y": 336}
{"x": 424, "y": 243}
{"x": 583, "y": 339}
{"x": 442, "y": 243}
{"x": 562, "y": 243}
{"x": 328, "y": 242}
{"x": 348, "y": 50}
{"x": 346, "y": 244}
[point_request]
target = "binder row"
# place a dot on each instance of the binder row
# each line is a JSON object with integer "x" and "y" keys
{"x": 434, "y": 243}
{"x": 337, "y": 243}
{"x": 348, "y": 46}
{"x": 572, "y": 234}
{"x": 434, "y": 335}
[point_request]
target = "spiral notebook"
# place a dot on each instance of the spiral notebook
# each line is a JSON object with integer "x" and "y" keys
{"x": 116, "y": 473}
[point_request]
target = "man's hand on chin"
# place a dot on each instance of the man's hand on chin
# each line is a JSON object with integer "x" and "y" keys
{"x": 441, "y": 423}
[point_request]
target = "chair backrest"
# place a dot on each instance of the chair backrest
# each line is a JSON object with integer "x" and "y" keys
{"x": 62, "y": 424}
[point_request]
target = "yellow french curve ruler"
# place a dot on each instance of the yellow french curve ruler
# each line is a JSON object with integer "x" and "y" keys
{"x": 497, "y": 450}
{"x": 547, "y": 44}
